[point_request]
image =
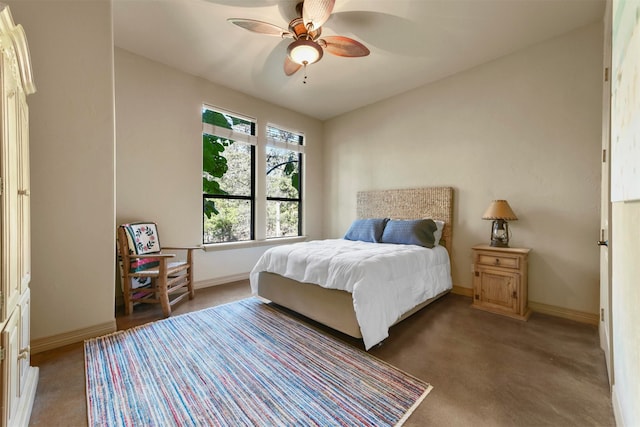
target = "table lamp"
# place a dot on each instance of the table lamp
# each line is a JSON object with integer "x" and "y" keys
{"x": 500, "y": 212}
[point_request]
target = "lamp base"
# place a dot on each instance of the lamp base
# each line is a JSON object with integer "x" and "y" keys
{"x": 500, "y": 234}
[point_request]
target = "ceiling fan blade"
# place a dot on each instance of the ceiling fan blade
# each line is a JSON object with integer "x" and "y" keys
{"x": 343, "y": 46}
{"x": 259, "y": 27}
{"x": 316, "y": 12}
{"x": 290, "y": 67}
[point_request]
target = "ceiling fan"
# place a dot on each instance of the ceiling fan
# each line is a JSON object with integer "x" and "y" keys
{"x": 306, "y": 29}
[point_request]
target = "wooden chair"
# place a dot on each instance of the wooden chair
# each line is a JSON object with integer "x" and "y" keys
{"x": 147, "y": 274}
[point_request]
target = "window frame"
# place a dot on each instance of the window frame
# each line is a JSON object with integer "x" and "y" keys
{"x": 259, "y": 140}
{"x": 299, "y": 148}
{"x": 237, "y": 137}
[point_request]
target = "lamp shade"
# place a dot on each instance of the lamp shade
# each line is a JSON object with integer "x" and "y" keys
{"x": 500, "y": 209}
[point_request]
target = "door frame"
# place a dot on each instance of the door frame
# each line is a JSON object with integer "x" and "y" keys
{"x": 605, "y": 327}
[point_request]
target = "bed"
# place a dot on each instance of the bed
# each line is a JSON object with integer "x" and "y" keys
{"x": 350, "y": 310}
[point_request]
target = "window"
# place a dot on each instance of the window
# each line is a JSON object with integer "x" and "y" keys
{"x": 228, "y": 184}
{"x": 233, "y": 195}
{"x": 284, "y": 183}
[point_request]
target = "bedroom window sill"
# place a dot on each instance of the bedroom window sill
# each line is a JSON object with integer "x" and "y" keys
{"x": 212, "y": 247}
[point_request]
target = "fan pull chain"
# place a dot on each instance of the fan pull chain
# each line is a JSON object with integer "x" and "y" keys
{"x": 304, "y": 80}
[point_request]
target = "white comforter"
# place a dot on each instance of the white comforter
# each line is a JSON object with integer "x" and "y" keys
{"x": 386, "y": 280}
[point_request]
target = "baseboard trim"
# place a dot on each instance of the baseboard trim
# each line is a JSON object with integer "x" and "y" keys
{"x": 566, "y": 313}
{"x": 552, "y": 310}
{"x": 48, "y": 343}
{"x": 459, "y": 290}
{"x": 220, "y": 280}
{"x": 55, "y": 341}
{"x": 202, "y": 284}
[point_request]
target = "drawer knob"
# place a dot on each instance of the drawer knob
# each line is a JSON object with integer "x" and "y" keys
{"x": 497, "y": 261}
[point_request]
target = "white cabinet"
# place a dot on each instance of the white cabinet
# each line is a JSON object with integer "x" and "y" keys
{"x": 19, "y": 379}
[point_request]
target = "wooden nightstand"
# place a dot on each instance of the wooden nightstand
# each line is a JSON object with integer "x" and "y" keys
{"x": 500, "y": 280}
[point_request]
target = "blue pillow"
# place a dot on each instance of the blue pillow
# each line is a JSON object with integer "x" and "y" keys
{"x": 410, "y": 232}
{"x": 366, "y": 230}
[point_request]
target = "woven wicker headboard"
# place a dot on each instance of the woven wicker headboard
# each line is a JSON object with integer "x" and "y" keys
{"x": 415, "y": 203}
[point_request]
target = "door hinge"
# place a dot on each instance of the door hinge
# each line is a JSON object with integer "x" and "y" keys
{"x": 2, "y": 354}
{"x": 602, "y": 314}
{"x": 604, "y": 155}
{"x": 606, "y": 74}
{"x": 1, "y": 186}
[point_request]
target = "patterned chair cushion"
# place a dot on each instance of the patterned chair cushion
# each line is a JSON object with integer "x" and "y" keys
{"x": 142, "y": 238}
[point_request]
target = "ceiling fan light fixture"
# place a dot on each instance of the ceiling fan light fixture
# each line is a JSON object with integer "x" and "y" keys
{"x": 304, "y": 52}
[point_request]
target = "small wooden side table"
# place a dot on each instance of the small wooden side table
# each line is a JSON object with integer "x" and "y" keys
{"x": 500, "y": 280}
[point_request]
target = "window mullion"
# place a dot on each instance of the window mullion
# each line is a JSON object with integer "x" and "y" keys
{"x": 261, "y": 186}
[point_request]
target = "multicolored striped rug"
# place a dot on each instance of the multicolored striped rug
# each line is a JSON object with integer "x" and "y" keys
{"x": 241, "y": 364}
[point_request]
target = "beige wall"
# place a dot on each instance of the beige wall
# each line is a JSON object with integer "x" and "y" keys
{"x": 530, "y": 110}
{"x": 536, "y": 112}
{"x": 72, "y": 163}
{"x": 73, "y": 168}
{"x": 159, "y": 157}
{"x": 525, "y": 128}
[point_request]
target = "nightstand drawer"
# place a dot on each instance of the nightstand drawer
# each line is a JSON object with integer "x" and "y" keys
{"x": 496, "y": 260}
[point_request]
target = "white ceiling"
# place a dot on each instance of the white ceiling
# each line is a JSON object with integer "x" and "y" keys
{"x": 412, "y": 42}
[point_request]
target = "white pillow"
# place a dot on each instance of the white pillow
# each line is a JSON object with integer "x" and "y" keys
{"x": 438, "y": 233}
